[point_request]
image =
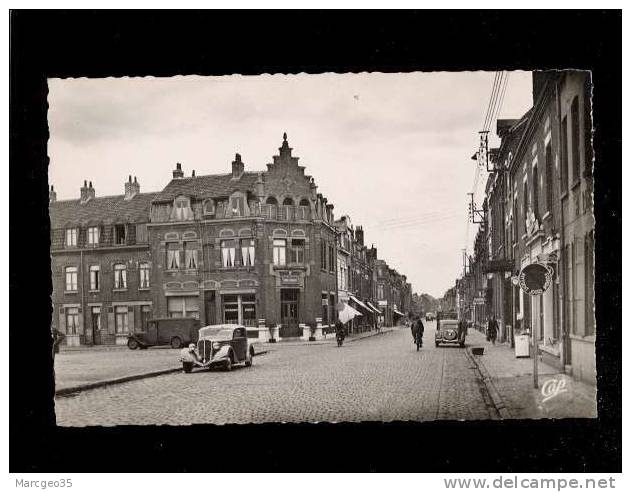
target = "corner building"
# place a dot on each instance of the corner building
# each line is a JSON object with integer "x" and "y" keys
{"x": 257, "y": 248}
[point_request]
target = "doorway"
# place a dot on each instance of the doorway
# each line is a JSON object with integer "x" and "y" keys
{"x": 95, "y": 323}
{"x": 289, "y": 313}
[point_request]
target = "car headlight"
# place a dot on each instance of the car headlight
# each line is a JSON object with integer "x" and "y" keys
{"x": 216, "y": 346}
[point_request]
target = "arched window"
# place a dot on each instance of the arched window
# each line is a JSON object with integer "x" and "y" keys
{"x": 288, "y": 209}
{"x": 271, "y": 206}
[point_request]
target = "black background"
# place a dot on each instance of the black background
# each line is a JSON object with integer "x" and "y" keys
{"x": 99, "y": 44}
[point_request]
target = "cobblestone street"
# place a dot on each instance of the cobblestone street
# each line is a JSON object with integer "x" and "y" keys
{"x": 379, "y": 378}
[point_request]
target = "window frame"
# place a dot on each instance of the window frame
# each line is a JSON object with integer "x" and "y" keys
{"x": 120, "y": 276}
{"x": 94, "y": 234}
{"x": 279, "y": 251}
{"x": 71, "y": 272}
{"x": 144, "y": 275}
{"x": 95, "y": 278}
{"x": 72, "y": 237}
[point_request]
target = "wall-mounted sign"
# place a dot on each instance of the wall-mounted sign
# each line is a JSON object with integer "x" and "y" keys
{"x": 479, "y": 301}
{"x": 498, "y": 266}
{"x": 534, "y": 279}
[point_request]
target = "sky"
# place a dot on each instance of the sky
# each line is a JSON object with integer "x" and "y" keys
{"x": 392, "y": 151}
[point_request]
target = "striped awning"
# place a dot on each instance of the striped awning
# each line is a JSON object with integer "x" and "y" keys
{"x": 373, "y": 308}
{"x": 359, "y": 303}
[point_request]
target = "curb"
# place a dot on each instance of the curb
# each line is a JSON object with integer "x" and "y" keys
{"x": 496, "y": 398}
{"x": 100, "y": 384}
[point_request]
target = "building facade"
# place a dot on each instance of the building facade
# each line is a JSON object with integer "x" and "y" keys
{"x": 258, "y": 248}
{"x": 538, "y": 209}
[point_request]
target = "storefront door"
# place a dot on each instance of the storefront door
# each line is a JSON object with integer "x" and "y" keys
{"x": 289, "y": 313}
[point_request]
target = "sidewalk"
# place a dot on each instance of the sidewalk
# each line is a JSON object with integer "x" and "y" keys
{"x": 330, "y": 339}
{"x": 510, "y": 382}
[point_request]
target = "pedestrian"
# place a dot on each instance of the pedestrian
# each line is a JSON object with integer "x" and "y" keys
{"x": 491, "y": 330}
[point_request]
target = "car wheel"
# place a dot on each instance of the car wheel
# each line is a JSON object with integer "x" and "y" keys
{"x": 249, "y": 360}
{"x": 187, "y": 366}
{"x": 437, "y": 344}
{"x": 133, "y": 344}
{"x": 176, "y": 343}
{"x": 228, "y": 364}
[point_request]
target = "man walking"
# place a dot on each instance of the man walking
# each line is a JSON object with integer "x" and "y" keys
{"x": 491, "y": 330}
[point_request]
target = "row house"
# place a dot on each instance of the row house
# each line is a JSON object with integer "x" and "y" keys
{"x": 538, "y": 208}
{"x": 355, "y": 275}
{"x": 101, "y": 265}
{"x": 258, "y": 248}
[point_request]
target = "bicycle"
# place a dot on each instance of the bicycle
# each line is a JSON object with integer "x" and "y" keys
{"x": 418, "y": 340}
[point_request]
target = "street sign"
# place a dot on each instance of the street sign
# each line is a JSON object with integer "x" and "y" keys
{"x": 479, "y": 301}
{"x": 534, "y": 279}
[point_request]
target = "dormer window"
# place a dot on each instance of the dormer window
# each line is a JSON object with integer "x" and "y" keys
{"x": 209, "y": 207}
{"x": 119, "y": 234}
{"x": 71, "y": 237}
{"x": 181, "y": 209}
{"x": 237, "y": 206}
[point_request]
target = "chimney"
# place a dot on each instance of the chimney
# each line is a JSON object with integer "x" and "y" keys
{"x": 131, "y": 188}
{"x": 193, "y": 173}
{"x": 359, "y": 235}
{"x": 87, "y": 192}
{"x": 177, "y": 172}
{"x": 260, "y": 186}
{"x": 52, "y": 195}
{"x": 237, "y": 167}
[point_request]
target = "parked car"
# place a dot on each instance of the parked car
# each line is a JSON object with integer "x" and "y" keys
{"x": 449, "y": 329}
{"x": 223, "y": 345}
{"x": 429, "y": 316}
{"x": 177, "y": 332}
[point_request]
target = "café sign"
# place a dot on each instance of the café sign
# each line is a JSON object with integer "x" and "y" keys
{"x": 534, "y": 279}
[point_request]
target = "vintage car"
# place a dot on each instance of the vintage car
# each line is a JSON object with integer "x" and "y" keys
{"x": 177, "y": 332}
{"x": 429, "y": 316}
{"x": 449, "y": 329}
{"x": 218, "y": 345}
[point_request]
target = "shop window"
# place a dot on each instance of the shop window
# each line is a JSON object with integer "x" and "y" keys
{"x": 230, "y": 309}
{"x": 145, "y": 272}
{"x": 71, "y": 237}
{"x": 93, "y": 235}
{"x": 120, "y": 276}
{"x": 95, "y": 277}
{"x": 72, "y": 320}
{"x": 183, "y": 307}
{"x": 71, "y": 279}
{"x": 279, "y": 250}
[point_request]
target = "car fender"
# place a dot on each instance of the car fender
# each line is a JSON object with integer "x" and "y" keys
{"x": 223, "y": 353}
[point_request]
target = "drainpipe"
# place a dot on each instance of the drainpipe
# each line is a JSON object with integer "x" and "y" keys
{"x": 562, "y": 258}
{"x": 83, "y": 296}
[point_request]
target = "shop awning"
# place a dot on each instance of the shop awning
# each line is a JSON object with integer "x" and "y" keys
{"x": 347, "y": 313}
{"x": 374, "y": 308}
{"x": 359, "y": 303}
{"x": 398, "y": 312}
